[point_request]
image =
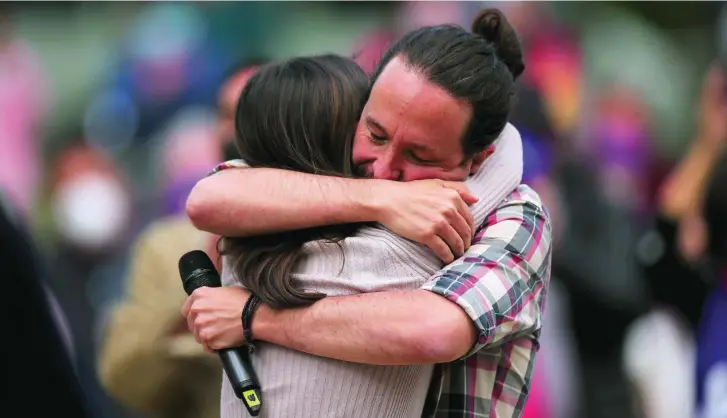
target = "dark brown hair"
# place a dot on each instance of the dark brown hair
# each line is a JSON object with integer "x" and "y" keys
{"x": 299, "y": 115}
{"x": 479, "y": 66}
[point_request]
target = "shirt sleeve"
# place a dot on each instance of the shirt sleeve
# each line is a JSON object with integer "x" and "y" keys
{"x": 501, "y": 281}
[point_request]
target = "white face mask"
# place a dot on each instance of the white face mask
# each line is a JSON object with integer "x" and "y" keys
{"x": 92, "y": 211}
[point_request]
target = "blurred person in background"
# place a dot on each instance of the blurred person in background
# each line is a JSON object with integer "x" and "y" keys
{"x": 596, "y": 290}
{"x": 659, "y": 345}
{"x": 149, "y": 361}
{"x": 622, "y": 146}
{"x": 45, "y": 358}
{"x": 595, "y": 260}
{"x": 91, "y": 208}
{"x": 371, "y": 46}
{"x": 555, "y": 391}
{"x": 195, "y": 141}
{"x": 410, "y": 15}
{"x": 90, "y": 203}
{"x": 188, "y": 148}
{"x": 556, "y": 74}
{"x": 169, "y": 61}
{"x": 23, "y": 100}
{"x": 235, "y": 80}
{"x": 417, "y": 321}
{"x": 687, "y": 267}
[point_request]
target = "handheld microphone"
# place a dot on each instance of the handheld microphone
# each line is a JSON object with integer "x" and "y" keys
{"x": 197, "y": 270}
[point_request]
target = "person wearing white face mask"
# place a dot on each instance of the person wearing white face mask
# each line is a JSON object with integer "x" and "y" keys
{"x": 90, "y": 200}
{"x": 91, "y": 208}
{"x": 91, "y": 211}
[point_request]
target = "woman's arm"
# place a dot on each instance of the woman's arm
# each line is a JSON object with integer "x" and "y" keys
{"x": 256, "y": 201}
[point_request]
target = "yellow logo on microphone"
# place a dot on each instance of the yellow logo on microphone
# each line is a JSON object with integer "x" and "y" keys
{"x": 251, "y": 398}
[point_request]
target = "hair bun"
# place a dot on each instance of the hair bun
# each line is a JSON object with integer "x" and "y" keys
{"x": 492, "y": 25}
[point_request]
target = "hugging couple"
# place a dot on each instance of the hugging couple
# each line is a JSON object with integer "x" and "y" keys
{"x": 400, "y": 265}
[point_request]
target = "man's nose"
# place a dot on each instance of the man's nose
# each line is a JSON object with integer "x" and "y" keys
{"x": 384, "y": 169}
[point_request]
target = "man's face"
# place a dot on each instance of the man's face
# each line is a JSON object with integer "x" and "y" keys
{"x": 411, "y": 129}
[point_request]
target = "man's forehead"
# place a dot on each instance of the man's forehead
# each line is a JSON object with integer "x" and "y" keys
{"x": 398, "y": 82}
{"x": 403, "y": 99}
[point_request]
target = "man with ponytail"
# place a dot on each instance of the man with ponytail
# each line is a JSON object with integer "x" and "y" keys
{"x": 438, "y": 101}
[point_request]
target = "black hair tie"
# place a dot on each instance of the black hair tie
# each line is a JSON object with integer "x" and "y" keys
{"x": 247, "y": 312}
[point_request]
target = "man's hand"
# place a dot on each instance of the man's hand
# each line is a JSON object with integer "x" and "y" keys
{"x": 431, "y": 212}
{"x": 214, "y": 316}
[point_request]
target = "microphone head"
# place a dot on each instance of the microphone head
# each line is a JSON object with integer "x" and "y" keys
{"x": 197, "y": 270}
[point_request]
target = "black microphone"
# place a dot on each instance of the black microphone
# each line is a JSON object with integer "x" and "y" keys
{"x": 197, "y": 270}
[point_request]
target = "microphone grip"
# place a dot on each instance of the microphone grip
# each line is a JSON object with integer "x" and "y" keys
{"x": 241, "y": 375}
{"x": 197, "y": 270}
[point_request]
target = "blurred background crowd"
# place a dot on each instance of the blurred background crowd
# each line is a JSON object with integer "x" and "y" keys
{"x": 110, "y": 112}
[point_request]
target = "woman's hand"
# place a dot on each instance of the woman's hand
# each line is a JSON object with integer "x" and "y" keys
{"x": 434, "y": 213}
{"x": 214, "y": 316}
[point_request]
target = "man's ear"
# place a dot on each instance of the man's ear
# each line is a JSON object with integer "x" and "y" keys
{"x": 480, "y": 158}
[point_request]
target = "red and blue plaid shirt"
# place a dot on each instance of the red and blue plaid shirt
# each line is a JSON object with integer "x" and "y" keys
{"x": 501, "y": 282}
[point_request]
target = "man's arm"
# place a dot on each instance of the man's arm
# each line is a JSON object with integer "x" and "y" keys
{"x": 383, "y": 328}
{"x": 491, "y": 294}
{"x": 242, "y": 201}
{"x": 502, "y": 280}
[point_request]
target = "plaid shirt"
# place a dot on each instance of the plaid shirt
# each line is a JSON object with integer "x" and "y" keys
{"x": 501, "y": 283}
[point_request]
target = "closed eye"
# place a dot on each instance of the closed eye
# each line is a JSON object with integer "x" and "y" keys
{"x": 421, "y": 161}
{"x": 377, "y": 139}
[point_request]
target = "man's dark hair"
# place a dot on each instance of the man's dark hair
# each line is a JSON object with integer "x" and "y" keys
{"x": 479, "y": 66}
{"x": 298, "y": 115}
